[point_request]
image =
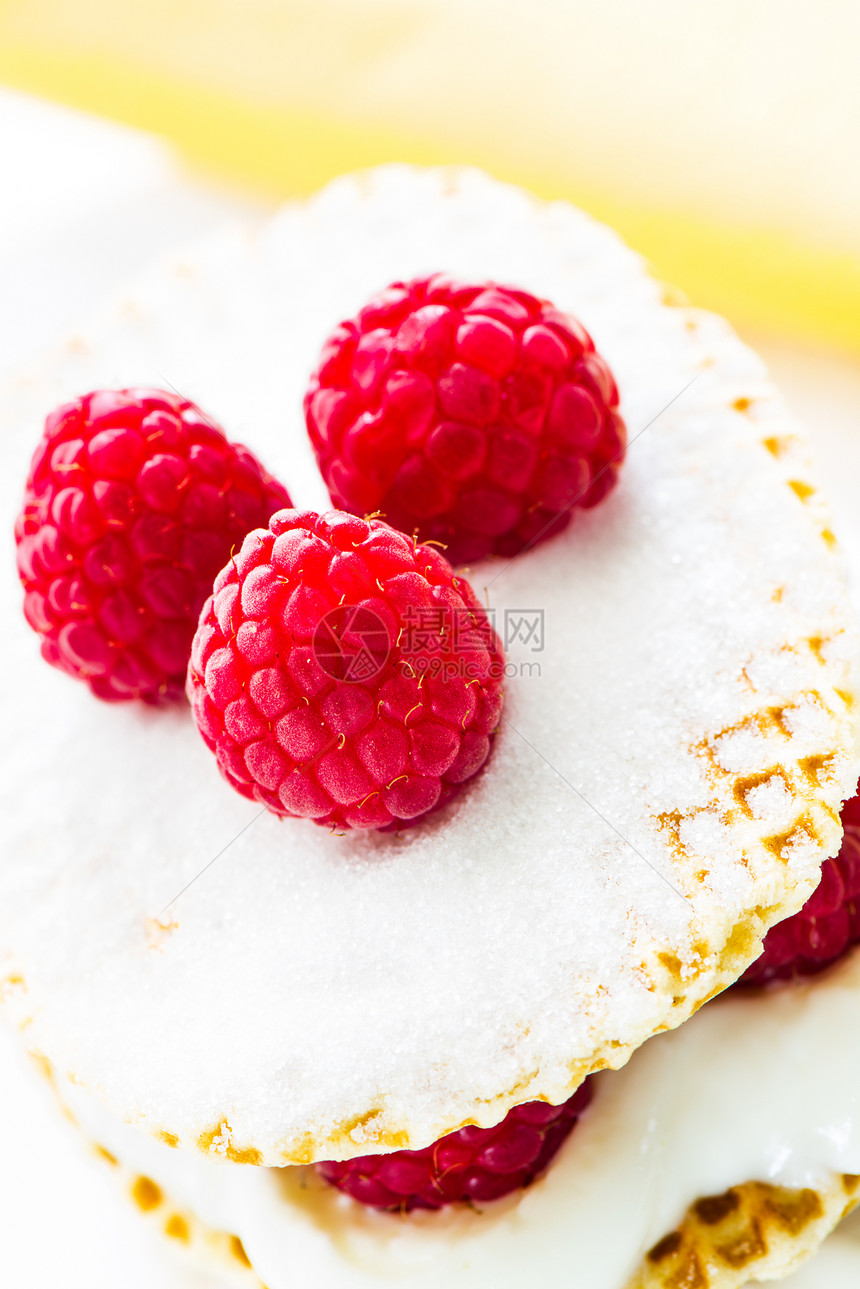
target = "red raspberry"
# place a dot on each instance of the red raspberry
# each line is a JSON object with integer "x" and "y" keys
{"x": 474, "y": 415}
{"x": 472, "y": 1165}
{"x": 133, "y": 503}
{"x": 824, "y": 929}
{"x": 343, "y": 674}
{"x": 850, "y": 812}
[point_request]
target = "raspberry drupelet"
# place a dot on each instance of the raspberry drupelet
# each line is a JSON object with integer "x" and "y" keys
{"x": 133, "y": 503}
{"x": 345, "y": 674}
{"x": 824, "y": 929}
{"x": 474, "y": 415}
{"x": 473, "y": 1165}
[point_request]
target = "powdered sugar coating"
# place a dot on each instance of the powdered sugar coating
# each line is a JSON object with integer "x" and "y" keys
{"x": 313, "y": 996}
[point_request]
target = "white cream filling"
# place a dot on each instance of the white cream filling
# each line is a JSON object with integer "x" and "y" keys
{"x": 759, "y": 1087}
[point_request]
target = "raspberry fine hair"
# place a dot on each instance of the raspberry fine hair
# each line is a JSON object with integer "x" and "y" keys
{"x": 134, "y": 501}
{"x": 474, "y": 415}
{"x": 343, "y": 673}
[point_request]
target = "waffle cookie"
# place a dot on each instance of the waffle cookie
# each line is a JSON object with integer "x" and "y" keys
{"x": 678, "y": 735}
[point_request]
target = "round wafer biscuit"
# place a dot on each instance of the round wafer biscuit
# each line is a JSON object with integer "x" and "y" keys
{"x": 679, "y": 731}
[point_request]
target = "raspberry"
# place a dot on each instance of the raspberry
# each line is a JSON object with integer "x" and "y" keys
{"x": 342, "y": 673}
{"x": 471, "y": 1165}
{"x": 473, "y": 415}
{"x": 133, "y": 502}
{"x": 824, "y": 929}
{"x": 850, "y": 813}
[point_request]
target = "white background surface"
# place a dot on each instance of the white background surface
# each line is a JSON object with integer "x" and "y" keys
{"x": 85, "y": 205}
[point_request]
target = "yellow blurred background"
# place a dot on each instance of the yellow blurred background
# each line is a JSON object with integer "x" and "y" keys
{"x": 720, "y": 137}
